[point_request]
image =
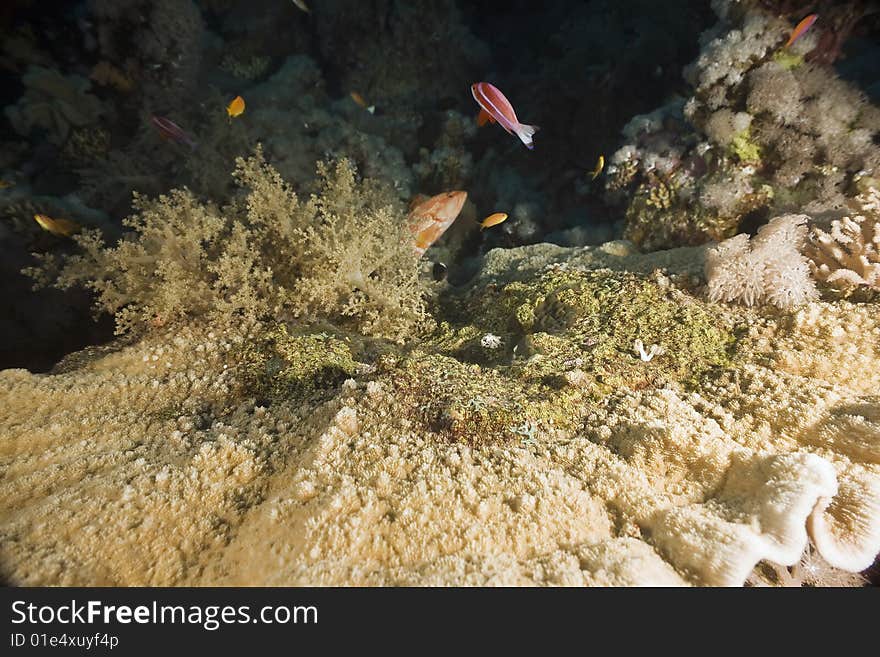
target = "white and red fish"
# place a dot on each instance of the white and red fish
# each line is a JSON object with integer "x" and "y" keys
{"x": 170, "y": 130}
{"x": 429, "y": 218}
{"x": 495, "y": 107}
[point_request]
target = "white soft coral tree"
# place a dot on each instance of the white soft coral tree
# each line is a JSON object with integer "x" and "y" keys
{"x": 343, "y": 255}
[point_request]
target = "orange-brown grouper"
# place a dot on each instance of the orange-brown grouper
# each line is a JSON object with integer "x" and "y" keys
{"x": 494, "y": 106}
{"x": 429, "y": 218}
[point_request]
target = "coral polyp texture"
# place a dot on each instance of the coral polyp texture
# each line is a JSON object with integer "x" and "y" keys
{"x": 847, "y": 256}
{"x": 767, "y": 268}
{"x": 260, "y": 455}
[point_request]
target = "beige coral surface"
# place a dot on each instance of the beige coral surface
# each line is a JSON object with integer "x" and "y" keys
{"x": 117, "y": 469}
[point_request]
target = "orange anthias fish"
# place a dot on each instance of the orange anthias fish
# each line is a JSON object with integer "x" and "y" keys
{"x": 360, "y": 102}
{"x": 59, "y": 227}
{"x": 801, "y": 29}
{"x": 493, "y": 220}
{"x": 429, "y": 218}
{"x": 497, "y": 108}
{"x": 236, "y": 107}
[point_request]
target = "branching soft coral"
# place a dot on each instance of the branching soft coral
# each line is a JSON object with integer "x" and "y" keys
{"x": 343, "y": 255}
{"x": 769, "y": 268}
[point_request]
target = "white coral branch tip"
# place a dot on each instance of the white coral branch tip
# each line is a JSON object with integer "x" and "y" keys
{"x": 646, "y": 356}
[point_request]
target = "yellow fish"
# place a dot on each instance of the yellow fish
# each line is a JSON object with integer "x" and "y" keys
{"x": 600, "y": 164}
{"x": 302, "y": 5}
{"x": 493, "y": 220}
{"x": 236, "y": 107}
{"x": 59, "y": 227}
{"x": 5, "y": 183}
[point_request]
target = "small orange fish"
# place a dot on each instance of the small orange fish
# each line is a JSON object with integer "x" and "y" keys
{"x": 801, "y": 28}
{"x": 429, "y": 218}
{"x": 59, "y": 227}
{"x": 600, "y": 164}
{"x": 5, "y": 183}
{"x": 359, "y": 100}
{"x": 493, "y": 220}
{"x": 236, "y": 107}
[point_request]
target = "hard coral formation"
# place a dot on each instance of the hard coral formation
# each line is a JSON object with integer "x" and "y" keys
{"x": 344, "y": 255}
{"x": 160, "y": 41}
{"x": 54, "y": 103}
{"x": 761, "y": 135}
{"x": 447, "y": 464}
{"x": 847, "y": 257}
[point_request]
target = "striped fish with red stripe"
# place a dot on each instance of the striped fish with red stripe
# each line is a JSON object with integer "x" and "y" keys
{"x": 494, "y": 106}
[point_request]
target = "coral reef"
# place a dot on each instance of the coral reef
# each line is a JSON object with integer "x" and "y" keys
{"x": 53, "y": 103}
{"x": 406, "y": 38}
{"x": 160, "y": 42}
{"x": 763, "y": 133}
{"x": 309, "y": 385}
{"x": 268, "y": 455}
{"x": 343, "y": 254}
{"x": 768, "y": 268}
{"x": 847, "y": 257}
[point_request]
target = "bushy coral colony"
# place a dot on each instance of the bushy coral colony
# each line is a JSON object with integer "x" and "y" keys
{"x": 347, "y": 350}
{"x": 765, "y": 132}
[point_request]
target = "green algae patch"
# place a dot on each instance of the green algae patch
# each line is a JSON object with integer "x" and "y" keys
{"x": 787, "y": 59}
{"x": 568, "y": 339}
{"x": 590, "y": 321}
{"x": 744, "y": 148}
{"x": 282, "y": 365}
{"x": 465, "y": 402}
{"x": 594, "y": 321}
